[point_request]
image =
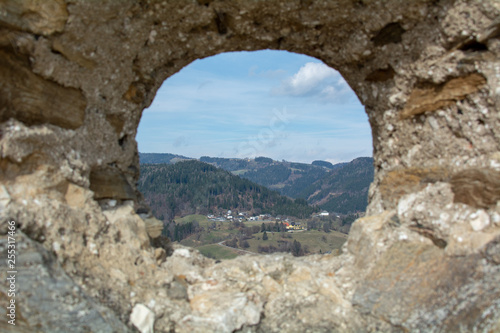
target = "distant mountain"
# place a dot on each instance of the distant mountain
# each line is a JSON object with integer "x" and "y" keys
{"x": 288, "y": 178}
{"x": 344, "y": 190}
{"x": 324, "y": 164}
{"x": 157, "y": 158}
{"x": 340, "y": 188}
{"x": 191, "y": 187}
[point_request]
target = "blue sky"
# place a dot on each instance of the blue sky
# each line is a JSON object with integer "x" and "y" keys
{"x": 265, "y": 103}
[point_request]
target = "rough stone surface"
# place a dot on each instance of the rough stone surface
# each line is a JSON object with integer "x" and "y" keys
{"x": 30, "y": 98}
{"x": 142, "y": 318}
{"x": 426, "y": 256}
{"x": 43, "y": 288}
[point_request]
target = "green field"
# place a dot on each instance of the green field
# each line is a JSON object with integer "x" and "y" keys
{"x": 314, "y": 241}
{"x": 215, "y": 251}
{"x": 239, "y": 172}
{"x": 206, "y": 241}
{"x": 202, "y": 219}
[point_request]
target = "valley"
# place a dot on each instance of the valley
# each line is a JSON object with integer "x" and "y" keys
{"x": 229, "y": 207}
{"x": 228, "y": 239}
{"x": 340, "y": 188}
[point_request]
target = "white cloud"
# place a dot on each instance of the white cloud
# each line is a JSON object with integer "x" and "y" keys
{"x": 316, "y": 80}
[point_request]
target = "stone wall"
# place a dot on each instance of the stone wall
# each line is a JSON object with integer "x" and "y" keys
{"x": 75, "y": 77}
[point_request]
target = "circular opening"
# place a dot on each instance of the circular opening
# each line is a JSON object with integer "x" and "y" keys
{"x": 283, "y": 133}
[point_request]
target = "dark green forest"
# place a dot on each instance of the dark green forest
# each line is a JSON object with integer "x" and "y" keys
{"x": 344, "y": 190}
{"x": 270, "y": 175}
{"x": 340, "y": 188}
{"x": 193, "y": 187}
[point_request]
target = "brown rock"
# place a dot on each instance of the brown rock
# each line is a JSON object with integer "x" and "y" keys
{"x": 154, "y": 227}
{"x": 110, "y": 184}
{"x": 116, "y": 121}
{"x": 135, "y": 93}
{"x": 160, "y": 255}
{"x": 429, "y": 97}
{"x": 380, "y": 75}
{"x": 391, "y": 33}
{"x": 40, "y": 17}
{"x": 479, "y": 188}
{"x": 33, "y": 100}
{"x": 75, "y": 196}
{"x": 492, "y": 251}
{"x": 403, "y": 181}
{"x": 73, "y": 55}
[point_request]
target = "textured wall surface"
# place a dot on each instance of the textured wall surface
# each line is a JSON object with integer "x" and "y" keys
{"x": 75, "y": 76}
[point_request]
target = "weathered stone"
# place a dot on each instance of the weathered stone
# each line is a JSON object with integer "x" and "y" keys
{"x": 142, "y": 318}
{"x": 403, "y": 181}
{"x": 430, "y": 97}
{"x": 76, "y": 196}
{"x": 40, "y": 17}
{"x": 423, "y": 259}
{"x": 478, "y": 188}
{"x": 365, "y": 237}
{"x": 31, "y": 99}
{"x": 433, "y": 287}
{"x": 116, "y": 121}
{"x": 71, "y": 54}
{"x": 160, "y": 255}
{"x": 154, "y": 227}
{"x": 4, "y": 199}
{"x": 391, "y": 33}
{"x": 131, "y": 226}
{"x": 381, "y": 75}
{"x": 109, "y": 183}
{"x": 43, "y": 287}
{"x": 492, "y": 251}
{"x": 135, "y": 93}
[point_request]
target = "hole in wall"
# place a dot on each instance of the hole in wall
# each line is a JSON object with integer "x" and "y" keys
{"x": 288, "y": 125}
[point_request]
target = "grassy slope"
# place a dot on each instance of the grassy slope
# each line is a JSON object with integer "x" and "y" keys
{"x": 206, "y": 242}
{"x": 217, "y": 252}
{"x": 312, "y": 239}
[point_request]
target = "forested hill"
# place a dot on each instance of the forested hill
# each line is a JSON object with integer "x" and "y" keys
{"x": 288, "y": 178}
{"x": 163, "y": 158}
{"x": 344, "y": 190}
{"x": 340, "y": 188}
{"x": 191, "y": 187}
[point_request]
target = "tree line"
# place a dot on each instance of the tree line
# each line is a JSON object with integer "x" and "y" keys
{"x": 193, "y": 187}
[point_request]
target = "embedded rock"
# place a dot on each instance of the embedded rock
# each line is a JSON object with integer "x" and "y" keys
{"x": 110, "y": 184}
{"x": 31, "y": 99}
{"x": 75, "y": 77}
{"x": 42, "y": 288}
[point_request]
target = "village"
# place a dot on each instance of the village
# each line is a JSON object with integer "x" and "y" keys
{"x": 290, "y": 224}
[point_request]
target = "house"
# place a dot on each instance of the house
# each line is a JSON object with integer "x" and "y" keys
{"x": 294, "y": 227}
{"x": 324, "y": 213}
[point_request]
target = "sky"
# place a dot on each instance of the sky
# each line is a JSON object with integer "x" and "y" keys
{"x": 277, "y": 104}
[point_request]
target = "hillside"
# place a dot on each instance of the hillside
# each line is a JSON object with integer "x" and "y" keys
{"x": 288, "y": 178}
{"x": 191, "y": 187}
{"x": 343, "y": 190}
{"x": 340, "y": 188}
{"x": 163, "y": 158}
